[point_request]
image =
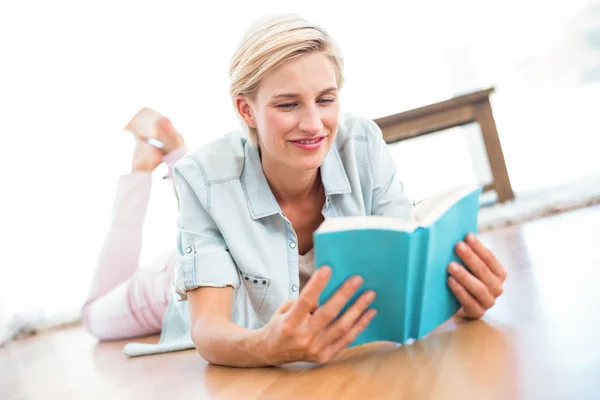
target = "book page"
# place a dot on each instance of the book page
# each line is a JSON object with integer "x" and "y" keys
{"x": 366, "y": 222}
{"x": 430, "y": 208}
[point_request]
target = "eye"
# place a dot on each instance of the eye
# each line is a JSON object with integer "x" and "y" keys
{"x": 286, "y": 105}
{"x": 324, "y": 101}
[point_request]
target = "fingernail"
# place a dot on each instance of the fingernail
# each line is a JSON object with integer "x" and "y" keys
{"x": 373, "y": 313}
{"x": 453, "y": 267}
{"x": 461, "y": 246}
{"x": 470, "y": 238}
{"x": 356, "y": 281}
{"x": 370, "y": 295}
{"x": 325, "y": 271}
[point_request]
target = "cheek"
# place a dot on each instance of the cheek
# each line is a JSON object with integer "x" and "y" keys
{"x": 277, "y": 124}
{"x": 330, "y": 117}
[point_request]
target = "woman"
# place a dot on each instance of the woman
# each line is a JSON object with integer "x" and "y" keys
{"x": 249, "y": 205}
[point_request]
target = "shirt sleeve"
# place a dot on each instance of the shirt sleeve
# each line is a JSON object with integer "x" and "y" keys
{"x": 204, "y": 258}
{"x": 390, "y": 197}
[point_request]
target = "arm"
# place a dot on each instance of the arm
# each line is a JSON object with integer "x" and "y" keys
{"x": 299, "y": 331}
{"x": 217, "y": 339}
{"x": 207, "y": 276}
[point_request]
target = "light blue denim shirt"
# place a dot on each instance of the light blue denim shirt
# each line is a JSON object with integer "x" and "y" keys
{"x": 232, "y": 231}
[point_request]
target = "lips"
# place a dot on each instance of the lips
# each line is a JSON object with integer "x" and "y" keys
{"x": 308, "y": 141}
{"x": 309, "y": 144}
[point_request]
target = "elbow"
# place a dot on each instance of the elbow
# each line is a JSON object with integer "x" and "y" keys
{"x": 204, "y": 344}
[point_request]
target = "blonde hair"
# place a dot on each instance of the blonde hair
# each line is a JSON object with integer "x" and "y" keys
{"x": 270, "y": 42}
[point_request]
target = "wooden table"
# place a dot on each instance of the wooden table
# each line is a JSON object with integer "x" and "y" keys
{"x": 540, "y": 341}
{"x": 457, "y": 111}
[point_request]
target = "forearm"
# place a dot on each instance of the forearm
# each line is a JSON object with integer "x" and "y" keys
{"x": 222, "y": 342}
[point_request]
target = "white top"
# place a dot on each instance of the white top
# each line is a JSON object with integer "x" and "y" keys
{"x": 306, "y": 266}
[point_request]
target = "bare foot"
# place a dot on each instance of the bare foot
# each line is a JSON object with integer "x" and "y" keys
{"x": 144, "y": 125}
{"x": 145, "y": 156}
{"x": 148, "y": 123}
{"x": 167, "y": 134}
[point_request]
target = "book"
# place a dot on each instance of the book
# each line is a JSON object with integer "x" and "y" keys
{"x": 404, "y": 261}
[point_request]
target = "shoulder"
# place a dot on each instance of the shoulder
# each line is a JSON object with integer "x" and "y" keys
{"x": 218, "y": 161}
{"x": 357, "y": 128}
{"x": 359, "y": 140}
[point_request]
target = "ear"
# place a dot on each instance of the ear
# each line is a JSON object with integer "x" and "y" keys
{"x": 242, "y": 104}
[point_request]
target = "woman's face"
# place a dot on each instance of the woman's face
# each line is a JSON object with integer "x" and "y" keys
{"x": 296, "y": 112}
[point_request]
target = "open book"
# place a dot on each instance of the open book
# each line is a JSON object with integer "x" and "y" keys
{"x": 404, "y": 261}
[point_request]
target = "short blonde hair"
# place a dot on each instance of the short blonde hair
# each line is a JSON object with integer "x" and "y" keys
{"x": 270, "y": 42}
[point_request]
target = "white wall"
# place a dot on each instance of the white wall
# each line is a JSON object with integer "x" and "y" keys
{"x": 73, "y": 72}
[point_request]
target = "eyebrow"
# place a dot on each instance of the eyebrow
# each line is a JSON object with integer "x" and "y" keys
{"x": 287, "y": 95}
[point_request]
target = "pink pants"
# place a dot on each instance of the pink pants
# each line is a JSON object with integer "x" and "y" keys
{"x": 132, "y": 308}
{"x": 127, "y": 301}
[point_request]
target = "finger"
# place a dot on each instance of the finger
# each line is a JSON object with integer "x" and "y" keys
{"x": 474, "y": 286}
{"x": 331, "y": 309}
{"x": 478, "y": 268}
{"x": 350, "y": 336}
{"x": 471, "y": 307}
{"x": 487, "y": 256}
{"x": 346, "y": 322}
{"x": 308, "y": 300}
{"x": 285, "y": 307}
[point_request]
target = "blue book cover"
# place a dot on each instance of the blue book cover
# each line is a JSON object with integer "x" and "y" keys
{"x": 404, "y": 262}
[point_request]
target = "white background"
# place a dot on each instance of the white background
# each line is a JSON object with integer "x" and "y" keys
{"x": 73, "y": 72}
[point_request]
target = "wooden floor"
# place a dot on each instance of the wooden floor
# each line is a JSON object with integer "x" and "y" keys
{"x": 540, "y": 341}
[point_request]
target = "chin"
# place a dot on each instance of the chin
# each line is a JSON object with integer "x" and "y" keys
{"x": 309, "y": 163}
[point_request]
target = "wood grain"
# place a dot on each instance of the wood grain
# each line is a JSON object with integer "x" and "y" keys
{"x": 540, "y": 341}
{"x": 457, "y": 111}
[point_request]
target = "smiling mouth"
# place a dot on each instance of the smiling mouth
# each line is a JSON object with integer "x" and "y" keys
{"x": 311, "y": 141}
{"x": 309, "y": 144}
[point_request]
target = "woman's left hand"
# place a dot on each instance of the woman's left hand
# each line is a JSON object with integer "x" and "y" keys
{"x": 478, "y": 287}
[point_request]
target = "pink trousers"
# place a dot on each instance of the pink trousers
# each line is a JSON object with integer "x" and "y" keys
{"x": 127, "y": 301}
{"x": 131, "y": 308}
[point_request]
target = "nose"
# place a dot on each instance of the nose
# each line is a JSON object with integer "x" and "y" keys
{"x": 310, "y": 121}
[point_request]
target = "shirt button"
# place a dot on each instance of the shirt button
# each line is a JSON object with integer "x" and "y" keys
{"x": 292, "y": 245}
{"x": 188, "y": 249}
{"x": 294, "y": 288}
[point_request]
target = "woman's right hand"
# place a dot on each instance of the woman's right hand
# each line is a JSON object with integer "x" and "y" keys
{"x": 302, "y": 331}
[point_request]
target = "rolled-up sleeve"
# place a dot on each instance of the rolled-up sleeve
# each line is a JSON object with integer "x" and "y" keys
{"x": 389, "y": 193}
{"x": 203, "y": 256}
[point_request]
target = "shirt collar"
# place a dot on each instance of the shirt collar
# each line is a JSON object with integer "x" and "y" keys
{"x": 260, "y": 198}
{"x": 333, "y": 174}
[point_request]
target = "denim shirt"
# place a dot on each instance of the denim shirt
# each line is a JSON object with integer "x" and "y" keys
{"x": 232, "y": 231}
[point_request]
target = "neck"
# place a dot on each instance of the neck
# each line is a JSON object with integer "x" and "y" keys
{"x": 290, "y": 185}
